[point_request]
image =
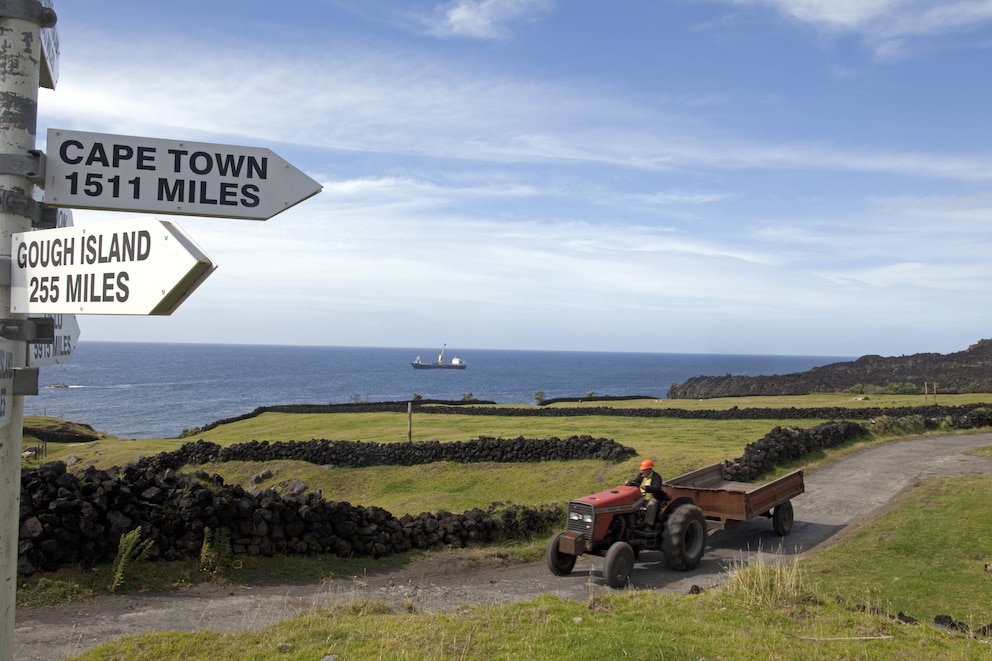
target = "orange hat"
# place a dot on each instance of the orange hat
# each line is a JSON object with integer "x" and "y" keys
{"x": 646, "y": 464}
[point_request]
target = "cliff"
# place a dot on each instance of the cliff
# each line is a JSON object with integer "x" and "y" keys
{"x": 965, "y": 371}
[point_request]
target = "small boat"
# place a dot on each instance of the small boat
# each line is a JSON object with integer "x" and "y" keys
{"x": 455, "y": 364}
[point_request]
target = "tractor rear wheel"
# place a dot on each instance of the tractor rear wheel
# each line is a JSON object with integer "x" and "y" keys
{"x": 559, "y": 563}
{"x": 684, "y": 537}
{"x": 782, "y": 518}
{"x": 619, "y": 563}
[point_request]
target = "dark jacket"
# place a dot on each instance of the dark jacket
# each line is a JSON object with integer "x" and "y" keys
{"x": 653, "y": 486}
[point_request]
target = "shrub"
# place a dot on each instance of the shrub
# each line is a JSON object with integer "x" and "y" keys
{"x": 906, "y": 388}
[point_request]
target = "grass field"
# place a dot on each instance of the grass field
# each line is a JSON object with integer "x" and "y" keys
{"x": 831, "y": 605}
{"x": 926, "y": 556}
{"x": 676, "y": 446}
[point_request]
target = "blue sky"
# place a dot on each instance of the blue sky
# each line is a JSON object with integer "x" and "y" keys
{"x": 704, "y": 176}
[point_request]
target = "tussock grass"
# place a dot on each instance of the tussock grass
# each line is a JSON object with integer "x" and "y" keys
{"x": 768, "y": 583}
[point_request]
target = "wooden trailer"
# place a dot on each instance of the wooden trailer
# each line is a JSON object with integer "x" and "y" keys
{"x": 726, "y": 503}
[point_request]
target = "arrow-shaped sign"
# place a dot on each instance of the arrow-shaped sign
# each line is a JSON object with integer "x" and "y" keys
{"x": 141, "y": 266}
{"x": 149, "y": 175}
{"x": 63, "y": 345}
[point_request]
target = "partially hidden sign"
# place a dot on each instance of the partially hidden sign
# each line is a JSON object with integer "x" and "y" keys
{"x": 142, "y": 266}
{"x": 63, "y": 344}
{"x": 6, "y": 380}
{"x": 150, "y": 175}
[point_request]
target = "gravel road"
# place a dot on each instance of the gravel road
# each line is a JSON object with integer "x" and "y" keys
{"x": 838, "y": 498}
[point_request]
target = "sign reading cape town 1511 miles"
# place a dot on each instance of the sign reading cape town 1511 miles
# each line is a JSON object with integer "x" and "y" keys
{"x": 149, "y": 175}
{"x": 140, "y": 266}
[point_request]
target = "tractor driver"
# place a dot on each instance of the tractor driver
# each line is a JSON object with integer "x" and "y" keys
{"x": 650, "y": 485}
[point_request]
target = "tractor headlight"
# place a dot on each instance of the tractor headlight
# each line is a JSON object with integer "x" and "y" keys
{"x": 579, "y": 516}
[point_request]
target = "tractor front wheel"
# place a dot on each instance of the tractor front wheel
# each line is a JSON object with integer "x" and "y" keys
{"x": 559, "y": 563}
{"x": 618, "y": 565}
{"x": 684, "y": 538}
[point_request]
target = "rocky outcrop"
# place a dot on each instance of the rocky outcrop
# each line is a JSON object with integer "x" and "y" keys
{"x": 62, "y": 432}
{"x": 964, "y": 371}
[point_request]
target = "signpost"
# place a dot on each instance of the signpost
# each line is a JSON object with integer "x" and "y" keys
{"x": 20, "y": 60}
{"x": 149, "y": 175}
{"x": 141, "y": 266}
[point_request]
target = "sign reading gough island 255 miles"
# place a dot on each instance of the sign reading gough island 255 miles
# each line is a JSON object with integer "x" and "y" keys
{"x": 139, "y": 266}
{"x": 148, "y": 175}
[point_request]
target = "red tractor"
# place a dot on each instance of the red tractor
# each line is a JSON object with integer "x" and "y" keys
{"x": 609, "y": 523}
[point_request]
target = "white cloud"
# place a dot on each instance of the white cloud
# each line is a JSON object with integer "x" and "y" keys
{"x": 485, "y": 19}
{"x": 886, "y": 25}
{"x": 387, "y": 103}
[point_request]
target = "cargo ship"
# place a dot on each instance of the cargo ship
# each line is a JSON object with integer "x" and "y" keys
{"x": 455, "y": 364}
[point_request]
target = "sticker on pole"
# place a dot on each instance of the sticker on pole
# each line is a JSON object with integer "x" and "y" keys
{"x": 6, "y": 380}
{"x": 142, "y": 266}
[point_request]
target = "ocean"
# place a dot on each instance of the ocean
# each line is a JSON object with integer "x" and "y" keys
{"x": 151, "y": 390}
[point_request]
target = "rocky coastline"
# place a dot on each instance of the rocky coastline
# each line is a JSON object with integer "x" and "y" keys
{"x": 960, "y": 372}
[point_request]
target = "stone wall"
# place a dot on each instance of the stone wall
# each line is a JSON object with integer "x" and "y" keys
{"x": 69, "y": 519}
{"x": 783, "y": 444}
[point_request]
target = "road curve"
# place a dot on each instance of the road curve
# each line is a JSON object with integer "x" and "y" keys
{"x": 837, "y": 497}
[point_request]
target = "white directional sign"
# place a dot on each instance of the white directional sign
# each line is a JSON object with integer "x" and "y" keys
{"x": 125, "y": 173}
{"x": 61, "y": 349}
{"x": 142, "y": 266}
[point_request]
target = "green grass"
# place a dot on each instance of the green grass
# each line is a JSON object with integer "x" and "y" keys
{"x": 75, "y": 584}
{"x": 921, "y": 563}
{"x": 676, "y": 445}
{"x": 925, "y": 557}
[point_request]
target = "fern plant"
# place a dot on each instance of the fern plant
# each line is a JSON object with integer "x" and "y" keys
{"x": 216, "y": 550}
{"x": 132, "y": 550}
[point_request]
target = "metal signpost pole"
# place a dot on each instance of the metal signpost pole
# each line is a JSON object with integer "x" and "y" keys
{"x": 20, "y": 53}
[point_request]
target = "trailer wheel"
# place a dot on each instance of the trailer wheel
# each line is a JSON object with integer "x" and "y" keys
{"x": 684, "y": 538}
{"x": 559, "y": 563}
{"x": 782, "y": 518}
{"x": 619, "y": 563}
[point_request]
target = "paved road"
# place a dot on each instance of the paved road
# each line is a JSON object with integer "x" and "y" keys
{"x": 837, "y": 498}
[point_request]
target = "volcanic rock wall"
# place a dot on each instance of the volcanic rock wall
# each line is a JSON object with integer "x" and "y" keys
{"x": 69, "y": 518}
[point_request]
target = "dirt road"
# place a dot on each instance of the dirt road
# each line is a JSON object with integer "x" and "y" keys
{"x": 837, "y": 498}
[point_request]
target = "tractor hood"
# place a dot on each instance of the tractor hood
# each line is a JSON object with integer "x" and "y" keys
{"x": 622, "y": 495}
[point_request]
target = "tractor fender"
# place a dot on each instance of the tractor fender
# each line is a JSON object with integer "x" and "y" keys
{"x": 672, "y": 505}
